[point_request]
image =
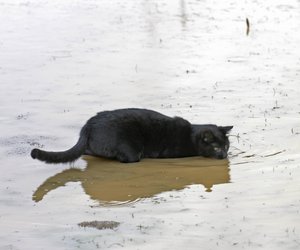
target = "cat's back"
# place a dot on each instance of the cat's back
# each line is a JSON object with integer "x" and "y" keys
{"x": 133, "y": 115}
{"x": 145, "y": 121}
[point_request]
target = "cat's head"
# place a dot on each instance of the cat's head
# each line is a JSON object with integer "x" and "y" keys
{"x": 211, "y": 140}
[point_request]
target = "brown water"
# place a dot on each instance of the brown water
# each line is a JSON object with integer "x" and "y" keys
{"x": 111, "y": 182}
{"x": 63, "y": 61}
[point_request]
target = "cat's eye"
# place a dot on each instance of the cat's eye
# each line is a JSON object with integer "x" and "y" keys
{"x": 217, "y": 148}
{"x": 208, "y": 137}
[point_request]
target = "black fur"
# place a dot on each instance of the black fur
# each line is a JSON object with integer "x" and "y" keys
{"x": 132, "y": 134}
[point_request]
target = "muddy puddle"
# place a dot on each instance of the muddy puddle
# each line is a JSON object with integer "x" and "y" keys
{"x": 112, "y": 183}
{"x": 63, "y": 61}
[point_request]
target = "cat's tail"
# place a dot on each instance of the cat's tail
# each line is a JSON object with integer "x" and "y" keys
{"x": 64, "y": 156}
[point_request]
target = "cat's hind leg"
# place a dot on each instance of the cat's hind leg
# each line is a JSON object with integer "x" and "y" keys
{"x": 127, "y": 153}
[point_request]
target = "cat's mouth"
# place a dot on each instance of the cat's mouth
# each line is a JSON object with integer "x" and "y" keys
{"x": 221, "y": 155}
{"x": 217, "y": 154}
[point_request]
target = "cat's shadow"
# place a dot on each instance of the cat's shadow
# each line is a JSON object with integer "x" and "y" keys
{"x": 111, "y": 182}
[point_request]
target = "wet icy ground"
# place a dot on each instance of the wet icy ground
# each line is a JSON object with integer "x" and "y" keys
{"x": 63, "y": 61}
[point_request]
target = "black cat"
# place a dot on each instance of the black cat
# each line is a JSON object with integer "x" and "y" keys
{"x": 132, "y": 134}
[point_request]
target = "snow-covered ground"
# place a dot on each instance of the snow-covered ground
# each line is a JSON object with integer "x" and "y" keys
{"x": 61, "y": 61}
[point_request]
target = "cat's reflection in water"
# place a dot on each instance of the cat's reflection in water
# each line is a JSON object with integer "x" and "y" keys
{"x": 109, "y": 181}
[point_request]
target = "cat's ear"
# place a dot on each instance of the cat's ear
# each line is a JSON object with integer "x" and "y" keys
{"x": 207, "y": 136}
{"x": 225, "y": 129}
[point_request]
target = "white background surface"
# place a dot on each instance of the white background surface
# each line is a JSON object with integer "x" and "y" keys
{"x": 63, "y": 61}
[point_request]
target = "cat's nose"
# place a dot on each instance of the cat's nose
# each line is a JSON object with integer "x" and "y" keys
{"x": 221, "y": 155}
